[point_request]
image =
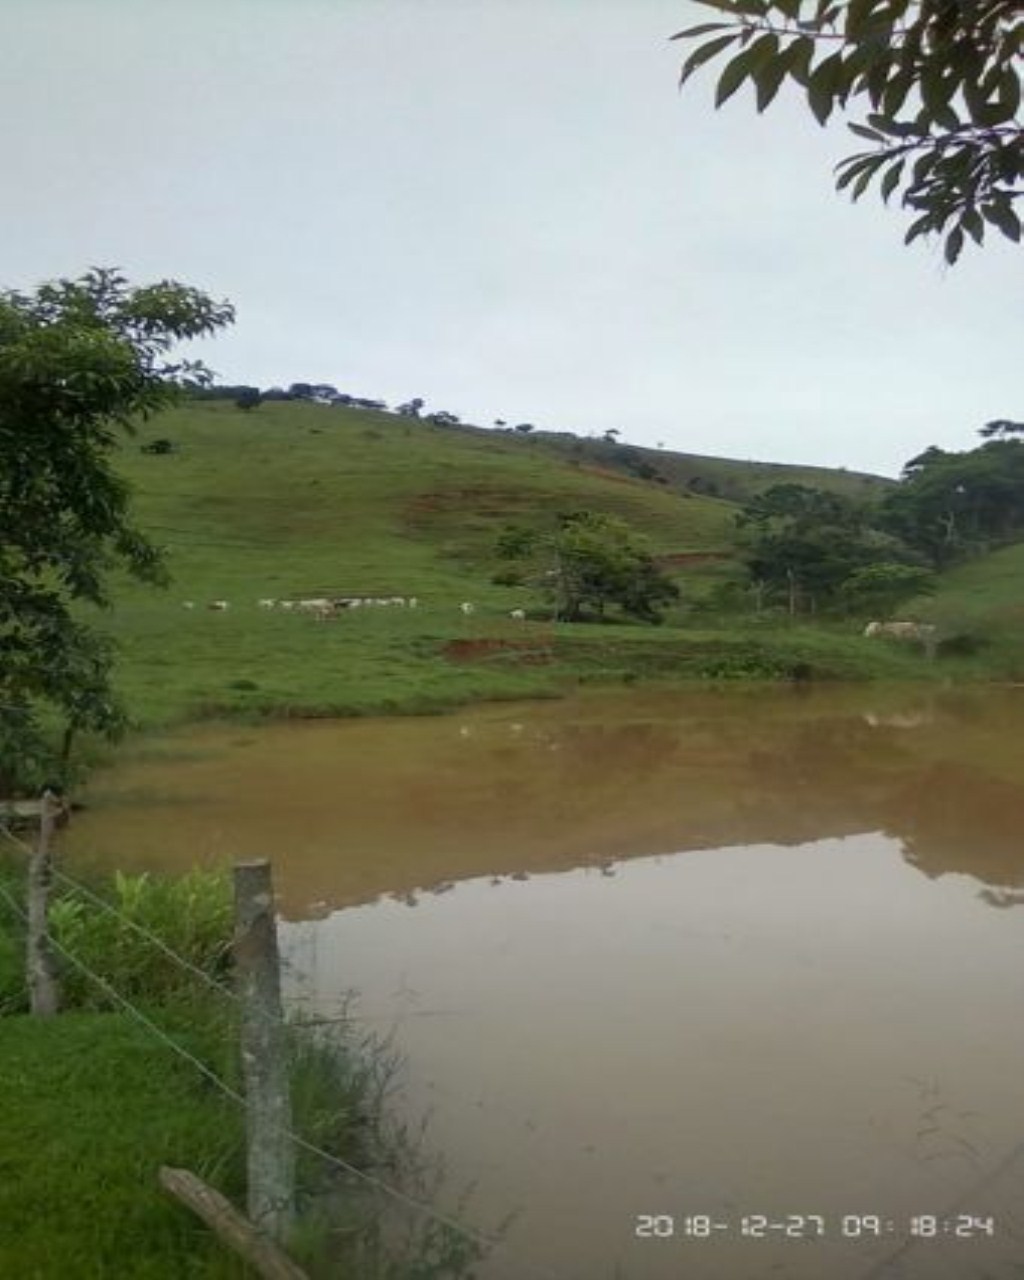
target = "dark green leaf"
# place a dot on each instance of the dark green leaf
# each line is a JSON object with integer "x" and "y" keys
{"x": 891, "y": 180}
{"x": 936, "y": 86}
{"x": 1001, "y": 215}
{"x": 704, "y": 54}
{"x": 798, "y": 59}
{"x": 822, "y": 87}
{"x": 973, "y": 223}
{"x": 895, "y": 92}
{"x": 853, "y": 166}
{"x": 919, "y": 228}
{"x": 768, "y": 79}
{"x": 923, "y": 165}
{"x": 700, "y": 30}
{"x": 862, "y": 131}
{"x": 858, "y": 13}
{"x": 994, "y": 113}
{"x": 869, "y": 171}
{"x": 954, "y": 243}
{"x": 1009, "y": 90}
{"x": 947, "y": 118}
{"x": 735, "y": 73}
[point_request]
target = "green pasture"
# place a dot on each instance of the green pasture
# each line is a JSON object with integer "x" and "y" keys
{"x": 92, "y": 1108}
{"x": 296, "y": 500}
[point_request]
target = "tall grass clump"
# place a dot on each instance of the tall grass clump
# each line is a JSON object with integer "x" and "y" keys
{"x": 190, "y": 914}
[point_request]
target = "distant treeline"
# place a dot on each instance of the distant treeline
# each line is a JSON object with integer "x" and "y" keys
{"x": 249, "y": 397}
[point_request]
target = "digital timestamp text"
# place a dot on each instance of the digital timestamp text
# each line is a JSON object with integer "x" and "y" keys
{"x": 813, "y": 1226}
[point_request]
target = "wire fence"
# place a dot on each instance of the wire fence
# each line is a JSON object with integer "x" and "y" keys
{"x": 479, "y": 1240}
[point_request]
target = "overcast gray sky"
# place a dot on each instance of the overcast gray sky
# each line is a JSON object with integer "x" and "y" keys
{"x": 503, "y": 206}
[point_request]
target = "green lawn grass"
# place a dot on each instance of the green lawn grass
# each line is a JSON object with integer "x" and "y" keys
{"x": 92, "y": 1106}
{"x": 982, "y": 601}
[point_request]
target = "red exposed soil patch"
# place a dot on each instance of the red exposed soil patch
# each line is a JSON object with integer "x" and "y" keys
{"x": 484, "y": 647}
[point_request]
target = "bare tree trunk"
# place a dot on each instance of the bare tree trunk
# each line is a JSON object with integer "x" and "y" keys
{"x": 271, "y": 1155}
{"x": 44, "y": 997}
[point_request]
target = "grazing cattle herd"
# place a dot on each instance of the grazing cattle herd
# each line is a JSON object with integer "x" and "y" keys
{"x": 324, "y": 607}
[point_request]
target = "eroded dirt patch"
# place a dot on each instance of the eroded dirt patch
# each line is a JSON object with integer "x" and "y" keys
{"x": 482, "y": 648}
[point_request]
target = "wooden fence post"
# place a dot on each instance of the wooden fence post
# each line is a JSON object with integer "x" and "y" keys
{"x": 44, "y": 996}
{"x": 231, "y": 1227}
{"x": 270, "y": 1152}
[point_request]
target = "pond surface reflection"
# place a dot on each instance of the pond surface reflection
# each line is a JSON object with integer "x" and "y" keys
{"x": 660, "y": 954}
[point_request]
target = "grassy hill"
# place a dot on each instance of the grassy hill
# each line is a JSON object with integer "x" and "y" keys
{"x": 296, "y": 500}
{"x": 983, "y": 601}
{"x": 729, "y": 478}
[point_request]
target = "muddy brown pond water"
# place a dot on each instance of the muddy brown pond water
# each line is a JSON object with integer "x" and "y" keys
{"x": 706, "y": 986}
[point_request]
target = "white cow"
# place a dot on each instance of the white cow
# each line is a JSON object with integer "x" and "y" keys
{"x": 922, "y": 631}
{"x": 286, "y": 605}
{"x": 413, "y": 602}
{"x": 467, "y": 607}
{"x": 266, "y": 604}
{"x": 518, "y": 614}
{"x": 219, "y": 606}
{"x": 188, "y": 604}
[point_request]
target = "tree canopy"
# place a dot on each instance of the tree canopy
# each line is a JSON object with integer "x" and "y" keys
{"x": 812, "y": 550}
{"x": 590, "y": 561}
{"x": 81, "y": 361}
{"x": 950, "y": 504}
{"x": 936, "y": 84}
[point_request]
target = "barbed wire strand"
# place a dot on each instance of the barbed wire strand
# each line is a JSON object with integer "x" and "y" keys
{"x": 475, "y": 1237}
{"x": 135, "y": 927}
{"x": 182, "y": 961}
{"x": 141, "y": 930}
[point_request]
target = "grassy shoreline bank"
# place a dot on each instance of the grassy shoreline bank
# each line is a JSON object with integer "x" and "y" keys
{"x": 96, "y": 1101}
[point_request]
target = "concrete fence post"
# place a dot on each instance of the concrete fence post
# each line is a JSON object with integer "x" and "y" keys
{"x": 270, "y": 1152}
{"x": 44, "y": 996}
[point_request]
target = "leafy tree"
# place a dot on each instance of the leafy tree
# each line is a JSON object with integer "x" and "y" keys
{"x": 589, "y": 562}
{"x": 411, "y": 409}
{"x": 936, "y": 81}
{"x": 81, "y": 361}
{"x": 950, "y": 504}
{"x": 249, "y": 398}
{"x": 1001, "y": 427}
{"x": 800, "y": 543}
{"x": 880, "y": 589}
{"x": 523, "y": 427}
